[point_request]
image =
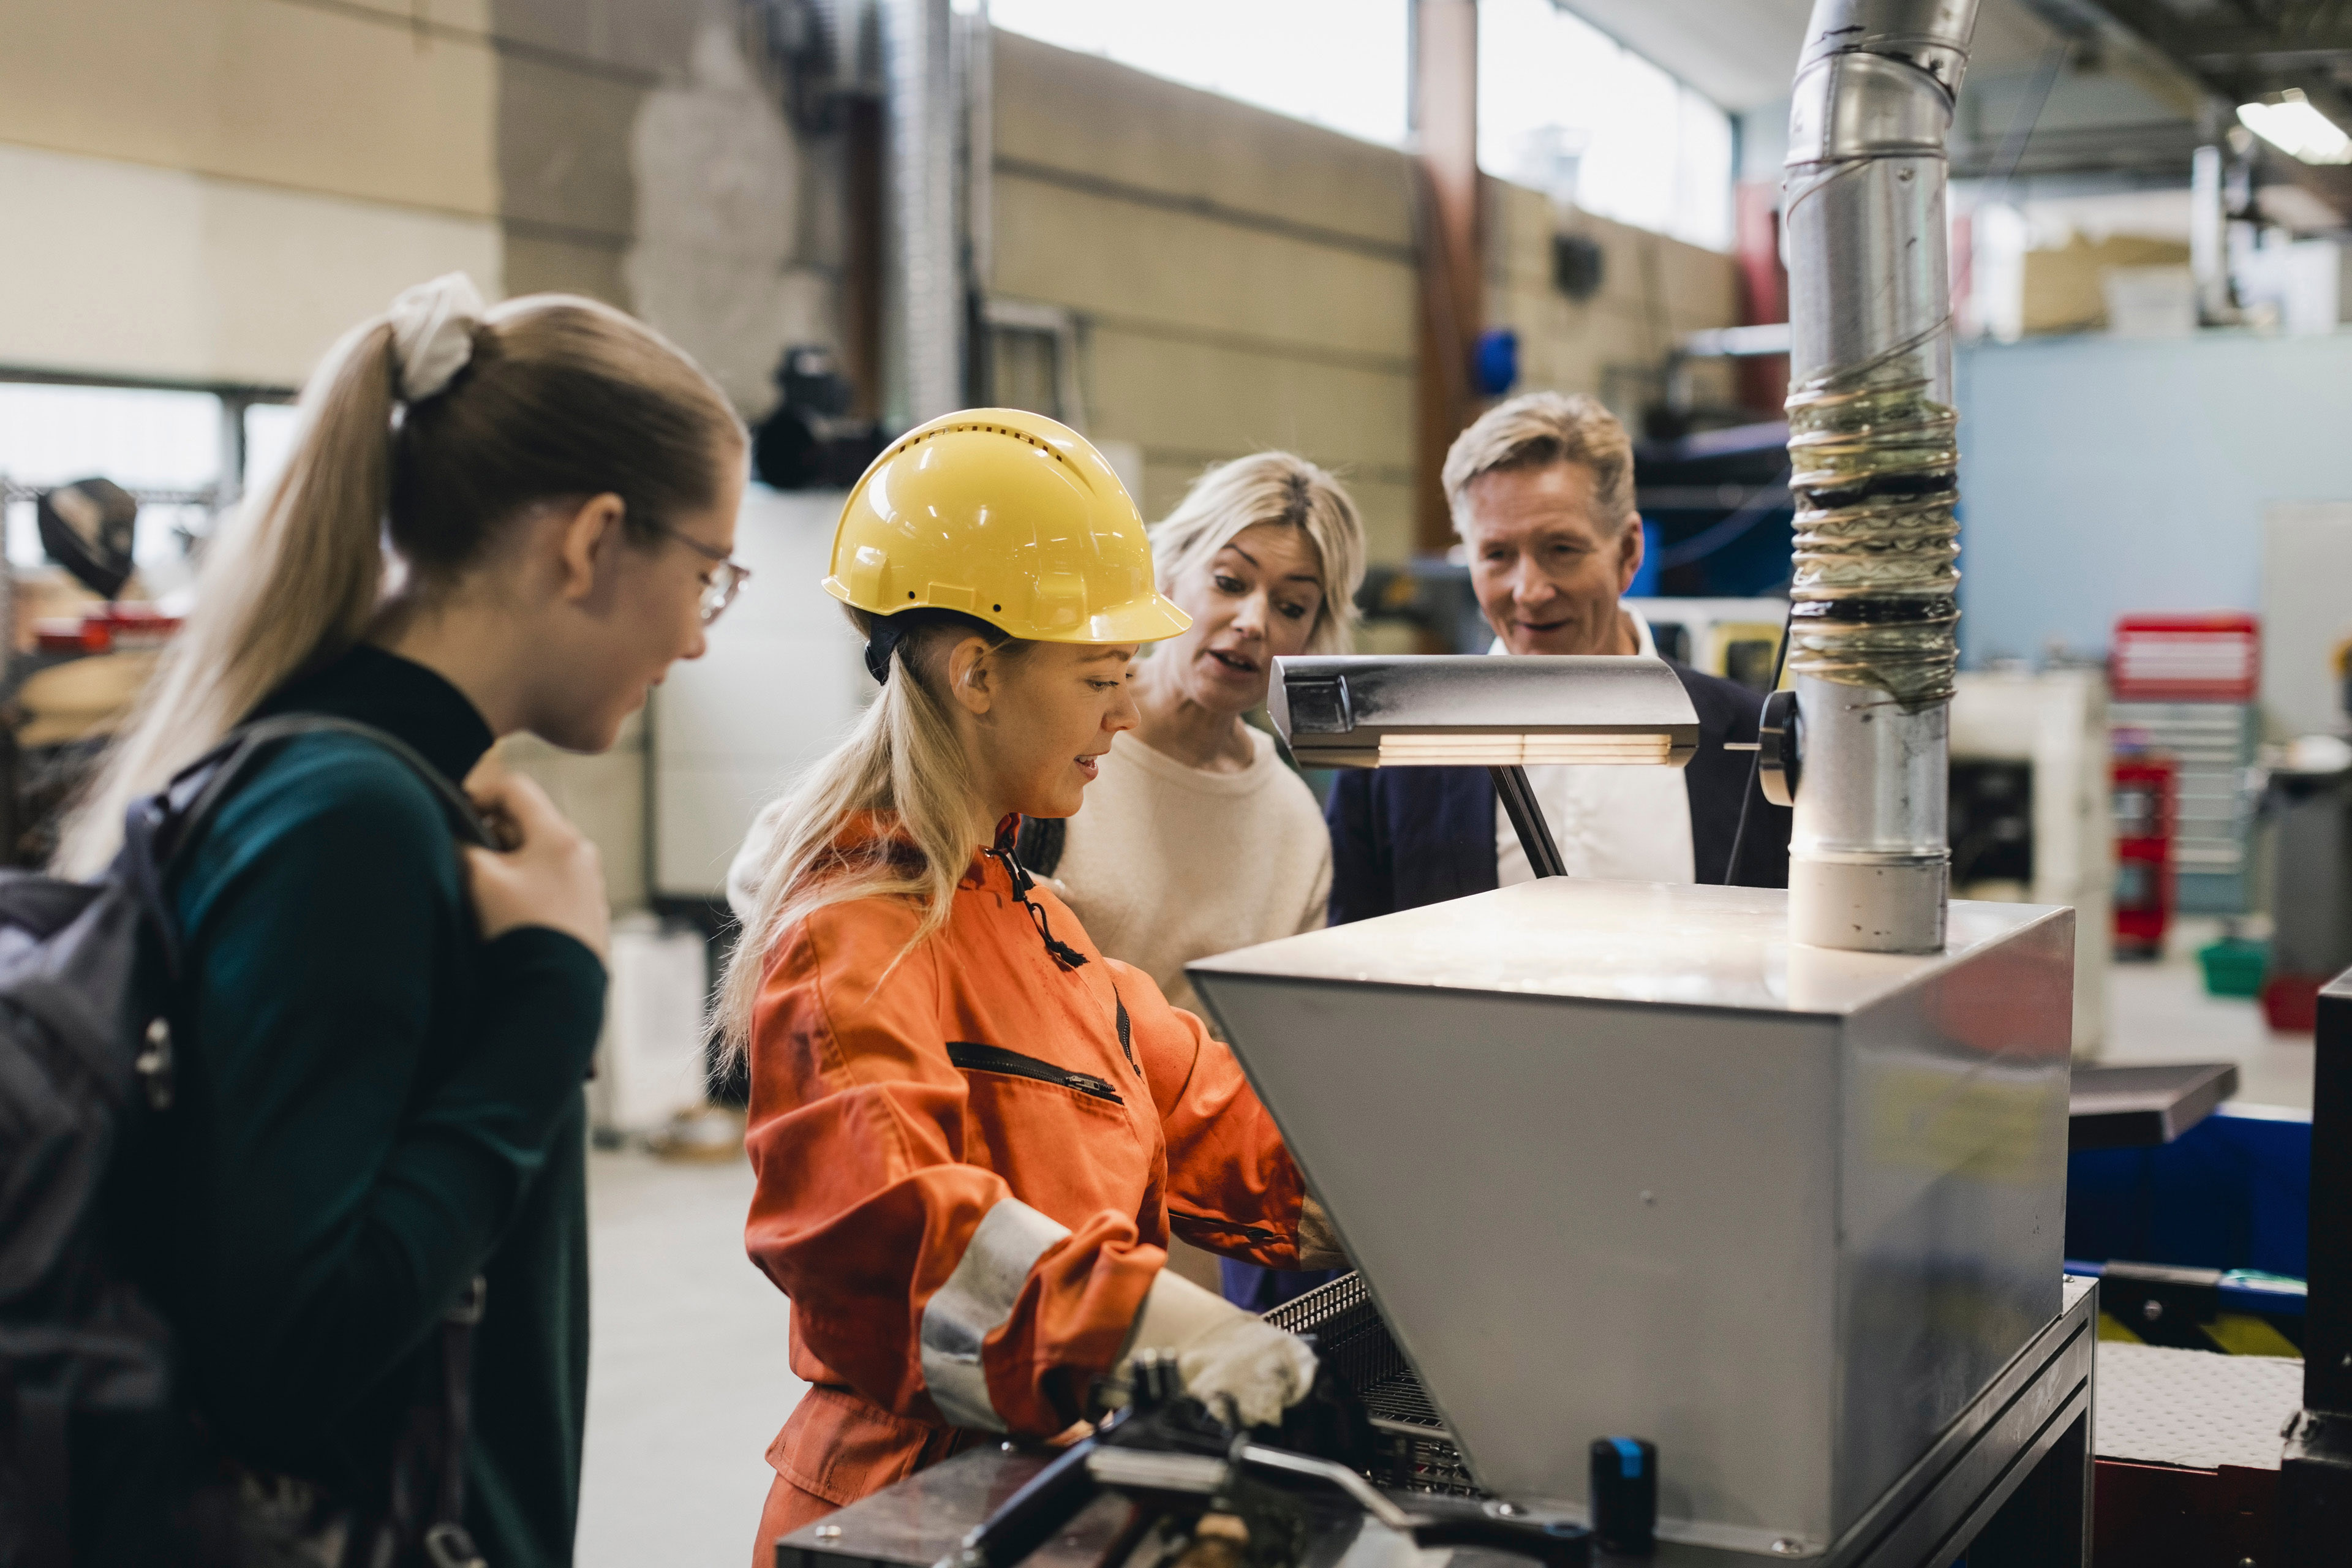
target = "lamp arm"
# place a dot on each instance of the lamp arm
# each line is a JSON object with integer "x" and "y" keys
{"x": 1518, "y": 798}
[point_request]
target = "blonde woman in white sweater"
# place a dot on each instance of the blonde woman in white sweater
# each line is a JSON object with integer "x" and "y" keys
{"x": 1196, "y": 838}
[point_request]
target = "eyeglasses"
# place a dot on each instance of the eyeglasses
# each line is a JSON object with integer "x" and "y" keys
{"x": 719, "y": 589}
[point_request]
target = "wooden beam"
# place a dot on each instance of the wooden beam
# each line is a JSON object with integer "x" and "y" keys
{"x": 862, "y": 258}
{"x": 1763, "y": 379}
{"x": 1447, "y": 232}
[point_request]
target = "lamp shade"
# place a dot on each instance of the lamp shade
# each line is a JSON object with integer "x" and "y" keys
{"x": 1493, "y": 710}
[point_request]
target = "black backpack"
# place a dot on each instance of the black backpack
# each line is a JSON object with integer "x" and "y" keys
{"x": 85, "y": 1064}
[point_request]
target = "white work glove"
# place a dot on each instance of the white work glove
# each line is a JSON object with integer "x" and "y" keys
{"x": 1235, "y": 1363}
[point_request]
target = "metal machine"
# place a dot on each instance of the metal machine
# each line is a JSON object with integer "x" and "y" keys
{"x": 1621, "y": 1158}
{"x": 1773, "y": 1182}
{"x": 1776, "y": 1181}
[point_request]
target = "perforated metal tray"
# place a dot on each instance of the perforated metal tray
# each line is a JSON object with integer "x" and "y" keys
{"x": 1350, "y": 1333}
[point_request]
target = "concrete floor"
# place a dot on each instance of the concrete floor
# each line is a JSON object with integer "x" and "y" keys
{"x": 686, "y": 1374}
{"x": 2159, "y": 1013}
{"x": 689, "y": 1383}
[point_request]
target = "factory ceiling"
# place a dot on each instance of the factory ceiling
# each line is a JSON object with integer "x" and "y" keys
{"x": 1742, "y": 53}
{"x": 2116, "y": 90}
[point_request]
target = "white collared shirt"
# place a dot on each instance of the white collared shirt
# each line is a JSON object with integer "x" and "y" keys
{"x": 1613, "y": 823}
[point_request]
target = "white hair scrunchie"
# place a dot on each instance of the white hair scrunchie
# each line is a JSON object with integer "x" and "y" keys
{"x": 433, "y": 333}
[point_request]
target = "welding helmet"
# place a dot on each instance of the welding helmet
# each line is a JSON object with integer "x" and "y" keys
{"x": 87, "y": 526}
{"x": 1006, "y": 516}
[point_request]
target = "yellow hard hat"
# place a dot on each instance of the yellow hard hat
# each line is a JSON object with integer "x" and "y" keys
{"x": 1008, "y": 516}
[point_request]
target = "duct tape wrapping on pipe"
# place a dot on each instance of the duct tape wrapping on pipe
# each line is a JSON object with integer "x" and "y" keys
{"x": 1875, "y": 469}
{"x": 1873, "y": 443}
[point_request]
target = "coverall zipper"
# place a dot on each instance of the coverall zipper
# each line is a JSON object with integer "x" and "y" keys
{"x": 1254, "y": 1234}
{"x": 972, "y": 1057}
{"x": 1063, "y": 955}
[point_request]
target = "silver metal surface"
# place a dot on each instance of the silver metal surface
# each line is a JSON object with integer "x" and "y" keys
{"x": 1784, "y": 1210}
{"x": 1481, "y": 710}
{"x": 2194, "y": 1408}
{"x": 1202, "y": 1473}
{"x": 1934, "y": 34}
{"x": 927, "y": 293}
{"x": 1339, "y": 1476}
{"x": 1871, "y": 449}
{"x": 922, "y": 1519}
{"x": 2026, "y": 1417}
{"x": 1869, "y": 853}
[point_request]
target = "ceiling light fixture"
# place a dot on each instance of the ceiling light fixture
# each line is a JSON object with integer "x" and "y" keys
{"x": 2293, "y": 125}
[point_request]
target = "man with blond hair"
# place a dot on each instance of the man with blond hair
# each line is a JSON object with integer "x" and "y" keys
{"x": 1541, "y": 490}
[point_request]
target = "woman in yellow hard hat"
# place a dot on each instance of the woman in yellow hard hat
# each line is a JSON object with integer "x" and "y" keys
{"x": 973, "y": 1133}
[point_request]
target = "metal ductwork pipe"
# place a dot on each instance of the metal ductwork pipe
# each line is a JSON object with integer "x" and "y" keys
{"x": 1874, "y": 464}
{"x": 925, "y": 270}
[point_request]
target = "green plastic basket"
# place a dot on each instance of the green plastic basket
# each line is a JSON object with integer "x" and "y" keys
{"x": 2234, "y": 966}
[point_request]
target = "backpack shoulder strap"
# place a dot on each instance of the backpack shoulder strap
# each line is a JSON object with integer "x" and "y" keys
{"x": 214, "y": 777}
{"x": 157, "y": 826}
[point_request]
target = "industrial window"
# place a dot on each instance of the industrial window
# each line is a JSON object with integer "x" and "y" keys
{"x": 1566, "y": 109}
{"x": 184, "y": 452}
{"x": 1341, "y": 63}
{"x": 1033, "y": 360}
{"x": 269, "y": 441}
{"x": 1022, "y": 371}
{"x": 1561, "y": 106}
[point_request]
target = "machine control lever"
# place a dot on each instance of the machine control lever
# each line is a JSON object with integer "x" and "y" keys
{"x": 1781, "y": 755}
{"x": 1558, "y": 1545}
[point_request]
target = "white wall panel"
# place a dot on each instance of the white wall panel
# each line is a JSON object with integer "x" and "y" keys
{"x": 782, "y": 681}
{"x": 120, "y": 269}
{"x": 2101, "y": 476}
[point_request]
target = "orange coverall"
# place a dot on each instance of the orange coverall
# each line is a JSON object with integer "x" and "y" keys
{"x": 967, "y": 1171}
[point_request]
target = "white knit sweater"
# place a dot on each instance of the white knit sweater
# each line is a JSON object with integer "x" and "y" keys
{"x": 1166, "y": 863}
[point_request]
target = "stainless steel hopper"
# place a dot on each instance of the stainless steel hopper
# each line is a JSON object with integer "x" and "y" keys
{"x": 1618, "y": 1159}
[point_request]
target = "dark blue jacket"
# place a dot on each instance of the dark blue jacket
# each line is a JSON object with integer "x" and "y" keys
{"x": 1401, "y": 837}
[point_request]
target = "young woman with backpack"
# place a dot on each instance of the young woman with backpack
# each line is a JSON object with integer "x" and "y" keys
{"x": 973, "y": 1133}
{"x": 494, "y": 520}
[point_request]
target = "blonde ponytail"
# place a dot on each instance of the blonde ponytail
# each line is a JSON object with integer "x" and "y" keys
{"x": 294, "y": 576}
{"x": 903, "y": 761}
{"x": 546, "y": 396}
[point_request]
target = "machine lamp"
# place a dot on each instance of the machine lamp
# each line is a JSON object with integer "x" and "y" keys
{"x": 1502, "y": 713}
{"x": 2296, "y": 126}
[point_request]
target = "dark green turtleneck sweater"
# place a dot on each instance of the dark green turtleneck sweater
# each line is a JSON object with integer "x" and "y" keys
{"x": 373, "y": 1106}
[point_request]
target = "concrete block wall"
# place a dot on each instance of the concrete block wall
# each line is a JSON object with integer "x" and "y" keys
{"x": 1653, "y": 290}
{"x": 213, "y": 190}
{"x": 1244, "y": 280}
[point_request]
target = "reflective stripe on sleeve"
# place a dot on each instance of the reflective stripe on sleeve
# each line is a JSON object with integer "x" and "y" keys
{"x": 975, "y": 1301}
